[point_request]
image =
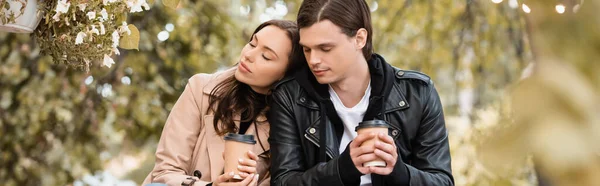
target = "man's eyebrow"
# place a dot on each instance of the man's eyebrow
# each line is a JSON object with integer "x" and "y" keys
{"x": 327, "y": 44}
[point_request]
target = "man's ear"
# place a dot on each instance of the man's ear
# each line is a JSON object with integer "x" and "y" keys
{"x": 361, "y": 38}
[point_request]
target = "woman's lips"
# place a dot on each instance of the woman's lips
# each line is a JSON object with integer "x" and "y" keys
{"x": 244, "y": 68}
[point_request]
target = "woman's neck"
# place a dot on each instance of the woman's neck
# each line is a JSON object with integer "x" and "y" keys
{"x": 260, "y": 90}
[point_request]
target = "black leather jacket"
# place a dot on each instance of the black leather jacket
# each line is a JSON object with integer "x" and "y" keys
{"x": 405, "y": 99}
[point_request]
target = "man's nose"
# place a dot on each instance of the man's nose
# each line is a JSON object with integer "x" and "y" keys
{"x": 314, "y": 58}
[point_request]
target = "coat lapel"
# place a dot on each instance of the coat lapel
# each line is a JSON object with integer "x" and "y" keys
{"x": 216, "y": 147}
{"x": 215, "y": 143}
{"x": 219, "y": 77}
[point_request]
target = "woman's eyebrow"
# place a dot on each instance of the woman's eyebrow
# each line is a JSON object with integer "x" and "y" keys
{"x": 266, "y": 47}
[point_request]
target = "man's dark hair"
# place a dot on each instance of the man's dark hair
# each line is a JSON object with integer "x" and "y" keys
{"x": 349, "y": 15}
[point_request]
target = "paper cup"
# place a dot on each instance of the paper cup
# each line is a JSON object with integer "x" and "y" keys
{"x": 373, "y": 126}
{"x": 236, "y": 147}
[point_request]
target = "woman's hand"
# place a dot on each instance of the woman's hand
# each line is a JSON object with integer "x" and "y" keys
{"x": 247, "y": 166}
{"x": 223, "y": 180}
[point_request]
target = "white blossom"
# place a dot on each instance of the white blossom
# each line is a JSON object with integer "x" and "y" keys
{"x": 115, "y": 39}
{"x": 104, "y": 15}
{"x": 82, "y": 6}
{"x": 61, "y": 7}
{"x": 79, "y": 38}
{"x": 94, "y": 30}
{"x": 106, "y": 2}
{"x": 146, "y": 6}
{"x": 136, "y": 5}
{"x": 91, "y": 15}
{"x": 102, "y": 29}
{"x": 108, "y": 61}
{"x": 87, "y": 61}
{"x": 56, "y": 17}
{"x": 116, "y": 51}
{"x": 124, "y": 28}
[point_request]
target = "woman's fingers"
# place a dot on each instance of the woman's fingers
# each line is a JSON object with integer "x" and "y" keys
{"x": 225, "y": 177}
{"x": 254, "y": 181}
{"x": 247, "y": 162}
{"x": 246, "y": 169}
{"x": 252, "y": 156}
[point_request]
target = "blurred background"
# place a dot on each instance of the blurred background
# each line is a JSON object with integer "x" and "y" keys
{"x": 518, "y": 79}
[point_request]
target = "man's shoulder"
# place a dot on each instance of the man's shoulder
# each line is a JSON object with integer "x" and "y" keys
{"x": 412, "y": 75}
{"x": 286, "y": 83}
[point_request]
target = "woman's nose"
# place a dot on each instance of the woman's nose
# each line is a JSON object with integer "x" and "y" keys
{"x": 250, "y": 55}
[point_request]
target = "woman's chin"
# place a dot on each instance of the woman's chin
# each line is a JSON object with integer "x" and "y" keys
{"x": 241, "y": 77}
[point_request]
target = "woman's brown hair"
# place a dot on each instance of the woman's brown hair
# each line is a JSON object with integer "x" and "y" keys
{"x": 232, "y": 97}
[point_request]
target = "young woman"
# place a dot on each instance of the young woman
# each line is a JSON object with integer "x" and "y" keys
{"x": 190, "y": 150}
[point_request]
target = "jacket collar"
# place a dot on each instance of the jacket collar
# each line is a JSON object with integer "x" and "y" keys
{"x": 382, "y": 85}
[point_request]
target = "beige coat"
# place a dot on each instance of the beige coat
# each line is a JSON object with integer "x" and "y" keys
{"x": 189, "y": 141}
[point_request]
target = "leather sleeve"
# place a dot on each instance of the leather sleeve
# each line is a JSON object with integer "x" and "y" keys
{"x": 430, "y": 164}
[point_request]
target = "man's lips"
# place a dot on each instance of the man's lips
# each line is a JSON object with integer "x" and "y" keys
{"x": 319, "y": 72}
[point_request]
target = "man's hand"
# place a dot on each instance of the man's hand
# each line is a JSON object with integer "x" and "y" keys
{"x": 360, "y": 155}
{"x": 385, "y": 149}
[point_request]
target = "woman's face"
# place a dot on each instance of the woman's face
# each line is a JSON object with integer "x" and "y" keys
{"x": 264, "y": 59}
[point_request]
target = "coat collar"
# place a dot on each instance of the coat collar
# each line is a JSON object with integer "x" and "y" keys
{"x": 218, "y": 78}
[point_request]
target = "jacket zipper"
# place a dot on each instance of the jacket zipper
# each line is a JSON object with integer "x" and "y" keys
{"x": 317, "y": 144}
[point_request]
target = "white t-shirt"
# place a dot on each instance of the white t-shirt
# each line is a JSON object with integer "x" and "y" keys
{"x": 351, "y": 117}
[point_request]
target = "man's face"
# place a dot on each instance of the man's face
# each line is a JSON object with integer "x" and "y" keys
{"x": 329, "y": 52}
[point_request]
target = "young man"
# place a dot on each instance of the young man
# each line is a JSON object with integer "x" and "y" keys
{"x": 314, "y": 114}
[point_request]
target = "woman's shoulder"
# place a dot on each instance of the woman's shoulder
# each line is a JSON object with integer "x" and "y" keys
{"x": 207, "y": 81}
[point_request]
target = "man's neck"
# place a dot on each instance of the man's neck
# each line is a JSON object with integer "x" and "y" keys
{"x": 352, "y": 88}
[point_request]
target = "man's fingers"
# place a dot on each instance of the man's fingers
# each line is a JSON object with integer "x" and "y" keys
{"x": 364, "y": 170}
{"x": 366, "y": 158}
{"x": 361, "y": 138}
{"x": 380, "y": 170}
{"x": 388, "y": 158}
{"x": 361, "y": 169}
{"x": 361, "y": 150}
{"x": 361, "y": 160}
{"x": 385, "y": 147}
{"x": 385, "y": 138}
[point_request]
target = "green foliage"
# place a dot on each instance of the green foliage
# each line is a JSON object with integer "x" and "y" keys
{"x": 132, "y": 40}
{"x": 171, "y": 3}
{"x": 8, "y": 16}
{"x": 555, "y": 117}
{"x": 58, "y": 124}
{"x": 78, "y": 33}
